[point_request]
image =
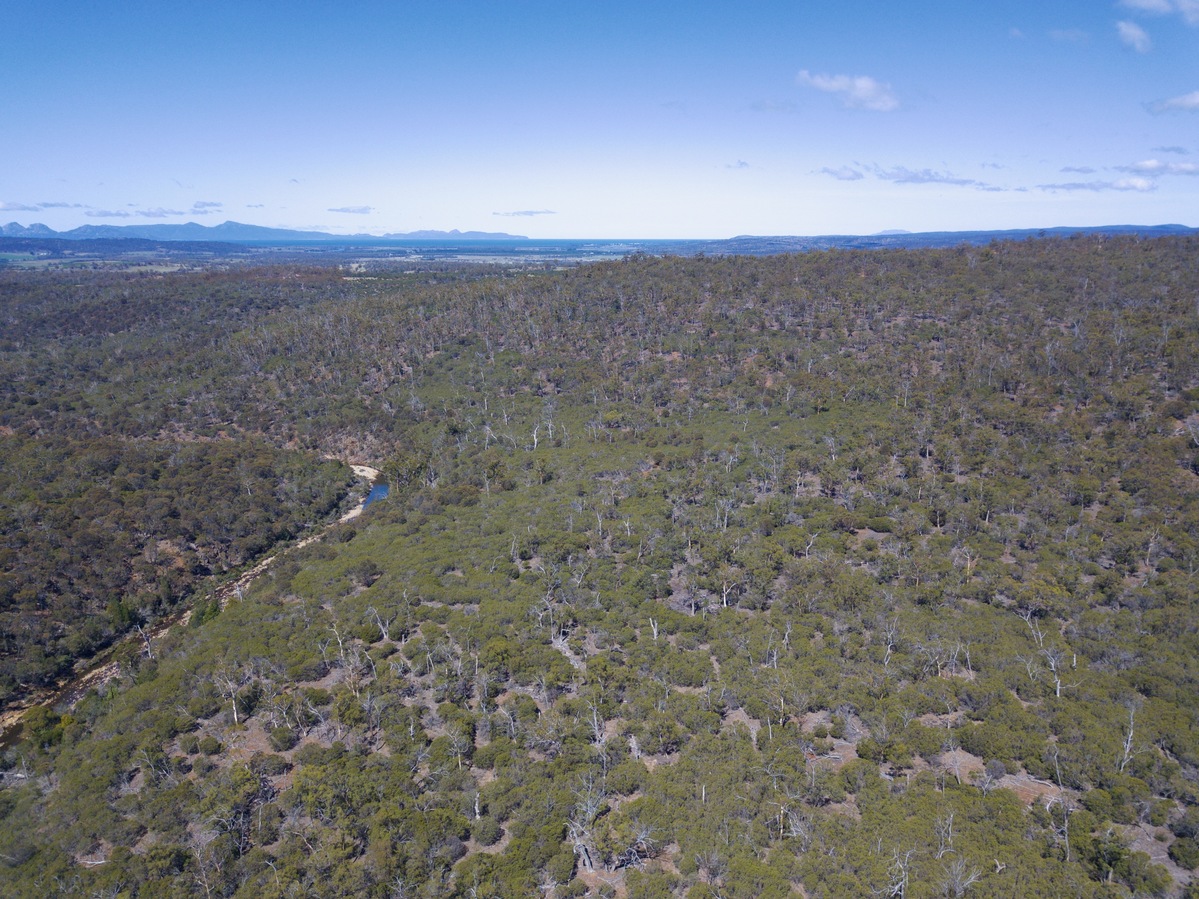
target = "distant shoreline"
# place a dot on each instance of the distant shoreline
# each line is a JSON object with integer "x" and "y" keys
{"x": 237, "y": 233}
{"x": 164, "y": 254}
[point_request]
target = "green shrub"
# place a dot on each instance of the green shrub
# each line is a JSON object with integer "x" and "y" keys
{"x": 210, "y": 745}
{"x": 1185, "y": 853}
{"x": 282, "y": 738}
{"x": 486, "y": 831}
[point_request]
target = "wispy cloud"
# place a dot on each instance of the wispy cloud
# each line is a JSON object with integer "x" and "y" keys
{"x": 1185, "y": 103}
{"x": 1070, "y": 35}
{"x": 1181, "y": 151}
{"x": 133, "y": 211}
{"x": 903, "y": 175}
{"x": 1188, "y": 9}
{"x": 354, "y": 210}
{"x": 525, "y": 213}
{"x": 855, "y": 91}
{"x": 1159, "y": 7}
{"x": 1078, "y": 169}
{"x": 1134, "y": 36}
{"x": 1157, "y": 167}
{"x": 255, "y": 206}
{"x": 843, "y": 173}
{"x": 900, "y": 174}
{"x": 739, "y": 164}
{"x": 1142, "y": 185}
{"x": 37, "y": 207}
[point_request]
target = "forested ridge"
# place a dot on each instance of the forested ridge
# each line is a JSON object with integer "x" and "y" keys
{"x": 836, "y": 574}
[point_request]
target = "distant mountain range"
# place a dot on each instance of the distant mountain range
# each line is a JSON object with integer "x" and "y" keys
{"x": 234, "y": 232}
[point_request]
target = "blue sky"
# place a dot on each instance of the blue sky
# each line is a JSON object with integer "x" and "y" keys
{"x": 602, "y": 119}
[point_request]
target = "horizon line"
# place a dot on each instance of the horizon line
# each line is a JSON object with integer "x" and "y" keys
{"x": 462, "y": 234}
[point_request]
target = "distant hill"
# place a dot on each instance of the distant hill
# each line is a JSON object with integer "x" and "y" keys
{"x": 12, "y": 229}
{"x": 233, "y": 232}
{"x": 753, "y": 245}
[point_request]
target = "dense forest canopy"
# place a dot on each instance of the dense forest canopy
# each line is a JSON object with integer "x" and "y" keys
{"x": 836, "y": 574}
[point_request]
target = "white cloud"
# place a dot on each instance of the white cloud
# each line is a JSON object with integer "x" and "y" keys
{"x": 1157, "y": 167}
{"x": 1185, "y": 103}
{"x": 522, "y": 213}
{"x": 900, "y": 174}
{"x": 133, "y": 212}
{"x": 354, "y": 210}
{"x": 1079, "y": 169}
{"x": 7, "y": 206}
{"x": 1124, "y": 184}
{"x": 903, "y": 175}
{"x": 1159, "y": 7}
{"x": 856, "y": 91}
{"x": 1188, "y": 9}
{"x": 844, "y": 173}
{"x": 1134, "y": 36}
{"x": 739, "y": 164}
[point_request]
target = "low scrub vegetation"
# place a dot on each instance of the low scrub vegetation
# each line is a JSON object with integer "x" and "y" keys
{"x": 855, "y": 573}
